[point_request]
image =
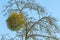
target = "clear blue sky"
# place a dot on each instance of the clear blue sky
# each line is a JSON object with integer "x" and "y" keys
{"x": 51, "y": 6}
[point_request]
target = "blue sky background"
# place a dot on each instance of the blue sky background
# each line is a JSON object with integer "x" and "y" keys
{"x": 51, "y": 6}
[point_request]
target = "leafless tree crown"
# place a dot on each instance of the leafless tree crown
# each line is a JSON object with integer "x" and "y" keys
{"x": 43, "y": 27}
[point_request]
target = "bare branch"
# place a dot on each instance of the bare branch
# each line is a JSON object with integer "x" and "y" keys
{"x": 43, "y": 36}
{"x": 35, "y": 23}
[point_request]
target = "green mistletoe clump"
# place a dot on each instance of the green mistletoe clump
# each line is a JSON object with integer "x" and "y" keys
{"x": 15, "y": 21}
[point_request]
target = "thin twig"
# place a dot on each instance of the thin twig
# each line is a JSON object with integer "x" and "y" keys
{"x": 43, "y": 36}
{"x": 17, "y": 5}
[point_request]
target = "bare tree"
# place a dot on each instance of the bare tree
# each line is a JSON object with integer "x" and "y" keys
{"x": 39, "y": 27}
